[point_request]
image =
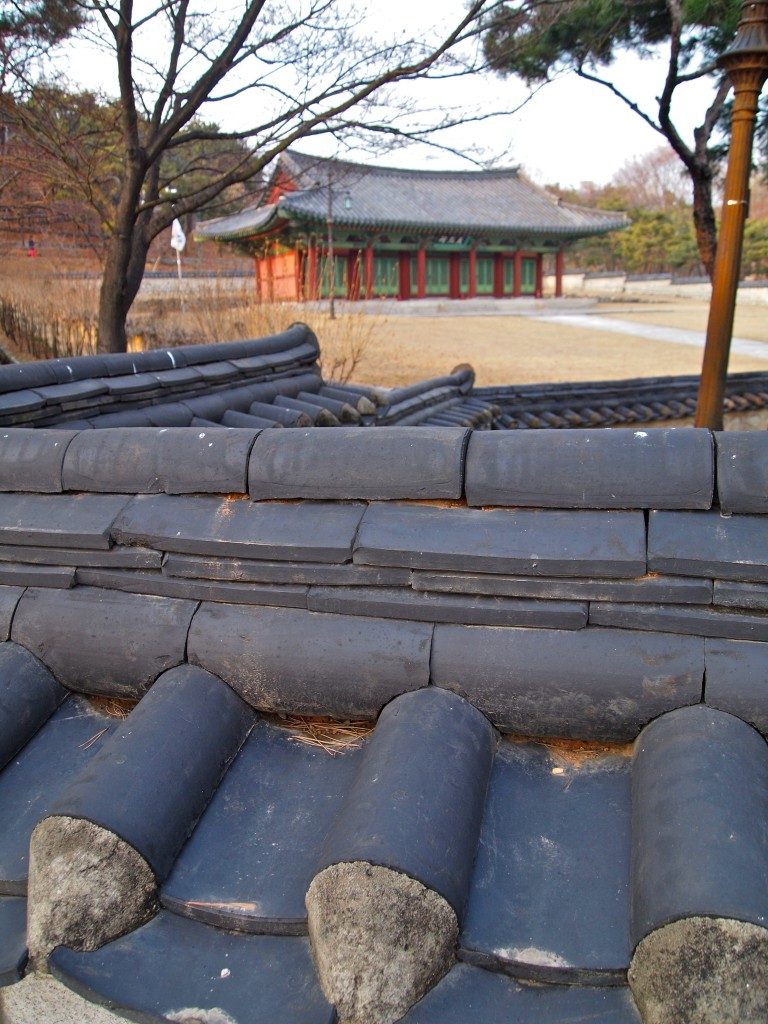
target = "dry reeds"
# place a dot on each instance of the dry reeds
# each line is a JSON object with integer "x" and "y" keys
{"x": 220, "y": 311}
{"x": 44, "y": 315}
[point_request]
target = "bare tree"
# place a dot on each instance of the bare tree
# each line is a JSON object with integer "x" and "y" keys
{"x": 305, "y": 68}
{"x": 655, "y": 181}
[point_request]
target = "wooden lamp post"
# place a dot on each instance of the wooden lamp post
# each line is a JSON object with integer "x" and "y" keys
{"x": 746, "y": 64}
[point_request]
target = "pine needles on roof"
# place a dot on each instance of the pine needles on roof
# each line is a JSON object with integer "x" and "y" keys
{"x": 327, "y": 734}
{"x": 569, "y": 755}
{"x": 575, "y": 755}
{"x": 112, "y": 707}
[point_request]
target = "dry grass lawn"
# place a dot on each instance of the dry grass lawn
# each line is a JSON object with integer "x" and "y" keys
{"x": 55, "y": 316}
{"x": 524, "y": 350}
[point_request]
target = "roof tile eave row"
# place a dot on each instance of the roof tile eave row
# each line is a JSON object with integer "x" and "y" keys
{"x": 663, "y": 468}
{"x": 455, "y": 227}
{"x": 420, "y": 227}
{"x": 368, "y": 809}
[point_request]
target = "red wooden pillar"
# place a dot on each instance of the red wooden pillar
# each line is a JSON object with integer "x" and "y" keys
{"x": 270, "y": 278}
{"x": 498, "y": 276}
{"x": 257, "y": 264}
{"x": 404, "y": 267}
{"x": 559, "y": 266}
{"x": 454, "y": 275}
{"x": 421, "y": 273}
{"x": 298, "y": 268}
{"x": 369, "y": 272}
{"x": 311, "y": 292}
{"x": 539, "y": 276}
{"x": 472, "y": 292}
{"x": 517, "y": 281}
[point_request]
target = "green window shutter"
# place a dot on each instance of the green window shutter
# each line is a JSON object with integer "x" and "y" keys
{"x": 339, "y": 274}
{"x": 386, "y": 277}
{"x": 509, "y": 277}
{"x": 528, "y": 276}
{"x": 437, "y": 275}
{"x": 485, "y": 275}
{"x": 340, "y": 266}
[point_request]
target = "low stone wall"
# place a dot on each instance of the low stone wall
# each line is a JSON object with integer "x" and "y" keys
{"x": 624, "y": 285}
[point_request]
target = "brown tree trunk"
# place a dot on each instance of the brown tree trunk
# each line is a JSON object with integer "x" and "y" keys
{"x": 704, "y": 223}
{"x": 112, "y": 308}
{"x": 123, "y": 267}
{"x": 119, "y": 287}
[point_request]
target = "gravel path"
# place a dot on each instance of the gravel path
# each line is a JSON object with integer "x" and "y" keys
{"x": 672, "y": 335}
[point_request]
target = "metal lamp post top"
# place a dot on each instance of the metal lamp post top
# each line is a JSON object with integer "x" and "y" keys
{"x": 751, "y": 39}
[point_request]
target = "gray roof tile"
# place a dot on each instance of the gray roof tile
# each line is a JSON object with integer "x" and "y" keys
{"x": 249, "y": 862}
{"x": 237, "y": 527}
{"x": 653, "y": 587}
{"x": 550, "y": 894}
{"x": 242, "y": 570}
{"x": 527, "y": 542}
{"x": 59, "y": 520}
{"x": 731, "y": 547}
{"x": 661, "y": 468}
{"x": 284, "y": 659}
{"x": 741, "y": 595}
{"x": 62, "y": 747}
{"x": 738, "y": 624}
{"x": 468, "y": 993}
{"x": 491, "y": 201}
{"x": 31, "y": 460}
{"x": 742, "y": 470}
{"x": 737, "y": 679}
{"x": 265, "y": 979}
{"x": 399, "y": 603}
{"x": 103, "y": 641}
{"x": 601, "y": 684}
{"x": 417, "y": 462}
{"x": 275, "y": 594}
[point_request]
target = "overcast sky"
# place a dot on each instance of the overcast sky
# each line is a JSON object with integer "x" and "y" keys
{"x": 570, "y": 132}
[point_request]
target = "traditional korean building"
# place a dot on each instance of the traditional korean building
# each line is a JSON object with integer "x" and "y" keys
{"x": 406, "y": 234}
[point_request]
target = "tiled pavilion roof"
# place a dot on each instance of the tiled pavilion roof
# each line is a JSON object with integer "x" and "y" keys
{"x": 494, "y": 202}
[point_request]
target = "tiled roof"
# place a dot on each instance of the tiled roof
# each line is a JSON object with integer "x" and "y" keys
{"x": 277, "y": 382}
{"x": 548, "y": 795}
{"x": 495, "y": 201}
{"x": 238, "y": 225}
{"x": 615, "y": 403}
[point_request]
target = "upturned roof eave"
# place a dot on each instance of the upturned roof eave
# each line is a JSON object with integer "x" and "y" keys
{"x": 300, "y": 218}
{"x": 297, "y": 217}
{"x": 207, "y": 231}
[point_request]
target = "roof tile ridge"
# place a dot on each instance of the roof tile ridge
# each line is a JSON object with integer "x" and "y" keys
{"x": 594, "y": 210}
{"x": 377, "y": 169}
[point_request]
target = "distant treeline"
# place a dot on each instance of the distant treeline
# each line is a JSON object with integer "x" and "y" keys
{"x": 661, "y": 237}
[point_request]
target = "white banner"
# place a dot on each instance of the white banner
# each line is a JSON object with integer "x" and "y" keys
{"x": 178, "y": 238}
